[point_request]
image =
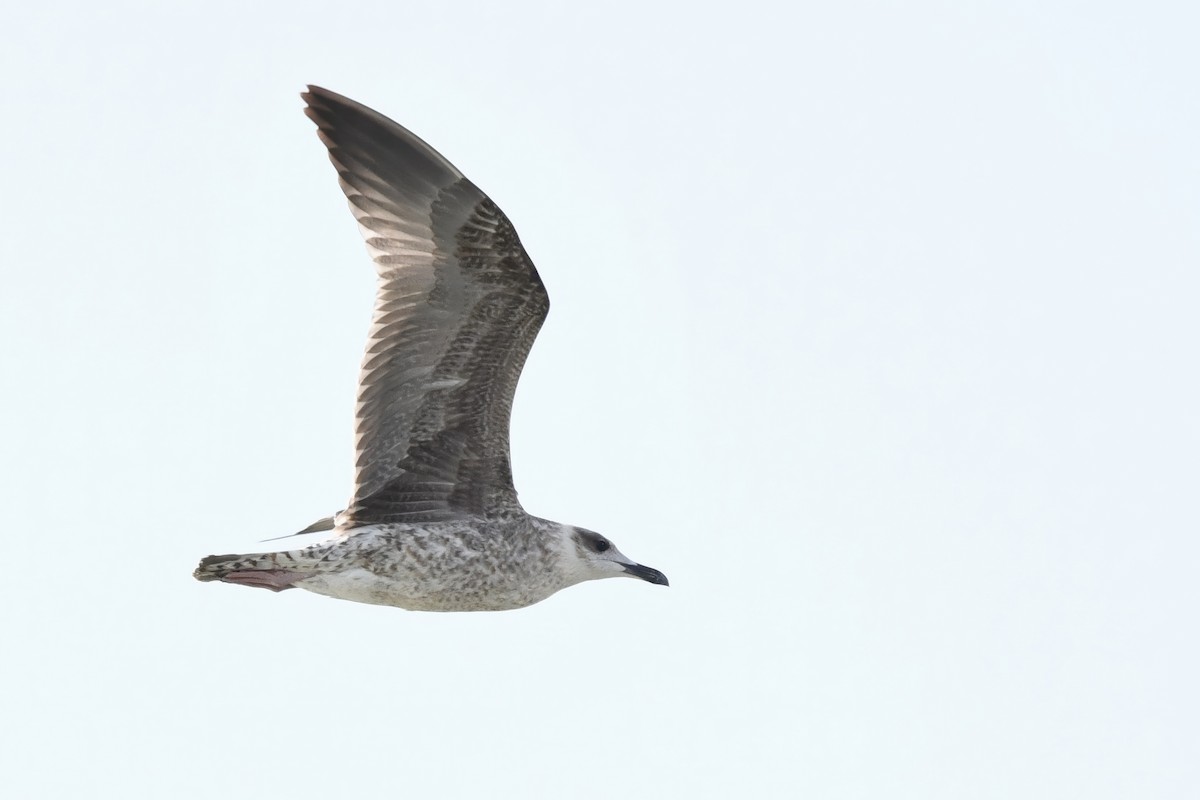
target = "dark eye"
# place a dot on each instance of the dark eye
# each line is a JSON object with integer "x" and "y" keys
{"x": 601, "y": 545}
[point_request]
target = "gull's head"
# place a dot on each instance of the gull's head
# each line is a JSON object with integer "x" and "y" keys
{"x": 590, "y": 556}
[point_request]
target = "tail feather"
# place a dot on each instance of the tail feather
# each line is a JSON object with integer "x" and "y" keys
{"x": 274, "y": 571}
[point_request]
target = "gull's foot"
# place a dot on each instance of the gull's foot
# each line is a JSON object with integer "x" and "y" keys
{"x": 274, "y": 579}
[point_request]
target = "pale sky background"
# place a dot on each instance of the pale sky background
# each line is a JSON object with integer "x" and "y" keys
{"x": 874, "y": 326}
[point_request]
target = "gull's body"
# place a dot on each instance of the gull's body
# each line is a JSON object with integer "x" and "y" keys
{"x": 434, "y": 523}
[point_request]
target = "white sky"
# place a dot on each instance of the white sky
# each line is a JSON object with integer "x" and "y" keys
{"x": 874, "y": 327}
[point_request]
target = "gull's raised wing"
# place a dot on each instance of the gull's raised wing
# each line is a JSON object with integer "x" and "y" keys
{"x": 458, "y": 307}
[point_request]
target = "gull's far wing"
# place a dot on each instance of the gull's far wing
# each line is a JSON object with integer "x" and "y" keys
{"x": 459, "y": 304}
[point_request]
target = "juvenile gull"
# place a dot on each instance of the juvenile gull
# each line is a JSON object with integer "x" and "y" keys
{"x": 434, "y": 523}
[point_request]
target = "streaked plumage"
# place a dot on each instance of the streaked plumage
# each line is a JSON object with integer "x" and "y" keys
{"x": 434, "y": 523}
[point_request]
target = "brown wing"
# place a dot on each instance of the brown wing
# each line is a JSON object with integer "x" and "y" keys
{"x": 458, "y": 307}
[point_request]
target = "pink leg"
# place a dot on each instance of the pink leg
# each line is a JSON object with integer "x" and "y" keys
{"x": 274, "y": 579}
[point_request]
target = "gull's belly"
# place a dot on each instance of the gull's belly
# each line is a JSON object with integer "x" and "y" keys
{"x": 421, "y": 593}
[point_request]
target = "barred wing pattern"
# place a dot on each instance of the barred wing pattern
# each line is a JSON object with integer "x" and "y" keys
{"x": 458, "y": 307}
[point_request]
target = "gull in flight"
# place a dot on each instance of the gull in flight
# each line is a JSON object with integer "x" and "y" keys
{"x": 434, "y": 523}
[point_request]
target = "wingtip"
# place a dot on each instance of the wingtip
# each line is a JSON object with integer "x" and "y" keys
{"x": 318, "y": 97}
{"x": 314, "y": 106}
{"x": 331, "y": 111}
{"x": 323, "y": 105}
